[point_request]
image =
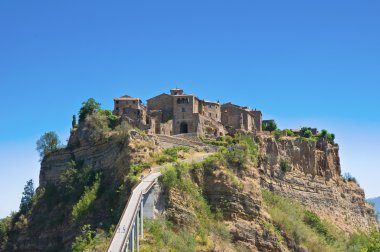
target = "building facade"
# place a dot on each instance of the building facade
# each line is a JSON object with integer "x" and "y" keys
{"x": 180, "y": 113}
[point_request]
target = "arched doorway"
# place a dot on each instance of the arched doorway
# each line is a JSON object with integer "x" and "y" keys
{"x": 183, "y": 128}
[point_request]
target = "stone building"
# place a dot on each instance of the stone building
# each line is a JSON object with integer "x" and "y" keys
{"x": 131, "y": 108}
{"x": 180, "y": 113}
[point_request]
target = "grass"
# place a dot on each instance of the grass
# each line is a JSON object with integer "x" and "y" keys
{"x": 171, "y": 154}
{"x": 305, "y": 227}
{"x": 198, "y": 227}
{"x": 81, "y": 208}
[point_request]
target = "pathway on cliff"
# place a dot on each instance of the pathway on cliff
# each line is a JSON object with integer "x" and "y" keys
{"x": 127, "y": 226}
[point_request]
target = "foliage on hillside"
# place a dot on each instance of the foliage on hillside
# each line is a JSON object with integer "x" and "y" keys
{"x": 200, "y": 227}
{"x": 308, "y": 230}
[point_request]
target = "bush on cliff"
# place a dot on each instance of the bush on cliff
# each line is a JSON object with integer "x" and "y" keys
{"x": 329, "y": 137}
{"x": 194, "y": 228}
{"x": 303, "y": 226}
{"x": 47, "y": 143}
{"x": 88, "y": 107}
{"x": 85, "y": 202}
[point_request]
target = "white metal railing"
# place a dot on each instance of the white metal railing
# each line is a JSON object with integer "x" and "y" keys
{"x": 126, "y": 235}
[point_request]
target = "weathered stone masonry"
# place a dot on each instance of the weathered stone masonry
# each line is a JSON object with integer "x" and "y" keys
{"x": 179, "y": 113}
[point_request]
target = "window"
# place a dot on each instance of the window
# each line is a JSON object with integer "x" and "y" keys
{"x": 134, "y": 102}
{"x": 183, "y": 109}
{"x": 209, "y": 114}
{"x": 209, "y": 105}
{"x": 117, "y": 102}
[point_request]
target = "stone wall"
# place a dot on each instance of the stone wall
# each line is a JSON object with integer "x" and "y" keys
{"x": 163, "y": 102}
{"x": 231, "y": 116}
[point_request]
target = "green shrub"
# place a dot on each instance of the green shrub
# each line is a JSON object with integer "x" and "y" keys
{"x": 47, "y": 143}
{"x": 113, "y": 120}
{"x": 313, "y": 220}
{"x": 285, "y": 165}
{"x": 169, "y": 176}
{"x": 302, "y": 226}
{"x": 86, "y": 241}
{"x": 135, "y": 171}
{"x": 347, "y": 177}
{"x": 288, "y": 132}
{"x": 277, "y": 134}
{"x": 164, "y": 237}
{"x": 364, "y": 242}
{"x": 269, "y": 126}
{"x": 88, "y": 107}
{"x": 307, "y": 134}
{"x": 82, "y": 207}
{"x": 96, "y": 127}
{"x": 5, "y": 226}
{"x": 171, "y": 154}
{"x": 329, "y": 137}
{"x": 200, "y": 224}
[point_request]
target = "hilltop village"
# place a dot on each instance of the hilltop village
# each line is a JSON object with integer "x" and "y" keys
{"x": 180, "y": 113}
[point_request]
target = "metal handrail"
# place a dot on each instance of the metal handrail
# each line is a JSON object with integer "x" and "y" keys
{"x": 135, "y": 211}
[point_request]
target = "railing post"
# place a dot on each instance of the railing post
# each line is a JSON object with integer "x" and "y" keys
{"x": 132, "y": 243}
{"x": 137, "y": 233}
{"x": 142, "y": 216}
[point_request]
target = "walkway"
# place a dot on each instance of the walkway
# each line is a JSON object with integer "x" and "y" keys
{"x": 129, "y": 229}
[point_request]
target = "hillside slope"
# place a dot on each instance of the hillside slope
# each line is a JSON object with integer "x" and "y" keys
{"x": 240, "y": 199}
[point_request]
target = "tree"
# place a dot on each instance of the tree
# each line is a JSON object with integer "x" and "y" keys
{"x": 74, "y": 122}
{"x": 307, "y": 133}
{"x": 270, "y": 126}
{"x": 48, "y": 142}
{"x": 27, "y": 196}
{"x": 88, "y": 107}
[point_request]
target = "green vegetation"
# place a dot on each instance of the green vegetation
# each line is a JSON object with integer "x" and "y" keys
{"x": 97, "y": 122}
{"x": 269, "y": 126}
{"x": 288, "y": 132}
{"x": 313, "y": 221}
{"x": 200, "y": 228}
{"x": 112, "y": 120}
{"x": 307, "y": 134}
{"x": 329, "y": 137}
{"x": 5, "y": 226}
{"x": 236, "y": 152}
{"x": 88, "y": 108}
{"x": 277, "y": 134}
{"x": 305, "y": 227}
{"x": 27, "y": 197}
{"x": 47, "y": 143}
{"x": 89, "y": 240}
{"x": 135, "y": 171}
{"x": 365, "y": 242}
{"x": 85, "y": 202}
{"x": 285, "y": 165}
{"x": 171, "y": 154}
{"x": 308, "y": 230}
{"x": 220, "y": 141}
{"x": 163, "y": 237}
{"x": 347, "y": 177}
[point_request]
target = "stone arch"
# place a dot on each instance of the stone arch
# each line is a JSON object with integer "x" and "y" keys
{"x": 183, "y": 128}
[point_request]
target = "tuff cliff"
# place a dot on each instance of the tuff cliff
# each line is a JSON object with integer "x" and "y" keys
{"x": 220, "y": 204}
{"x": 314, "y": 179}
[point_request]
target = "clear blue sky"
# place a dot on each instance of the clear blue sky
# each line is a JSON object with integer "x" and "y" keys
{"x": 303, "y": 63}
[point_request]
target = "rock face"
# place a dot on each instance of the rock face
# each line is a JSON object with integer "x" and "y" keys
{"x": 314, "y": 180}
{"x": 109, "y": 155}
